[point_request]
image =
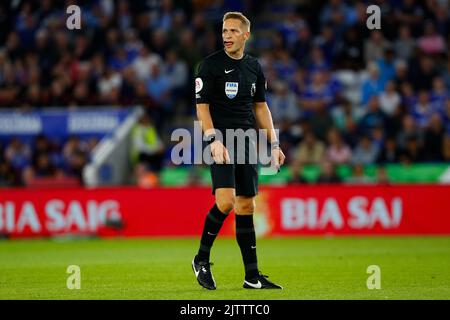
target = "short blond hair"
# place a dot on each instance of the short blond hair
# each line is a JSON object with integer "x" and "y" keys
{"x": 239, "y": 16}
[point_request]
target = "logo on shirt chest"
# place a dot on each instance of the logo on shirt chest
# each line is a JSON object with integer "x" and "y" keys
{"x": 231, "y": 89}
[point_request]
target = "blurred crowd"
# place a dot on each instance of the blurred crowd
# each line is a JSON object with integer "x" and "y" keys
{"x": 339, "y": 92}
{"x": 44, "y": 160}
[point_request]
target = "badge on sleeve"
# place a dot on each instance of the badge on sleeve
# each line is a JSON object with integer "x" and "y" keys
{"x": 198, "y": 85}
{"x": 253, "y": 89}
{"x": 231, "y": 89}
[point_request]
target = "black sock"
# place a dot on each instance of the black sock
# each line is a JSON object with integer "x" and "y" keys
{"x": 213, "y": 223}
{"x": 245, "y": 235}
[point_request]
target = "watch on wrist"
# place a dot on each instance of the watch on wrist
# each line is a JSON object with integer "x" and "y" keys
{"x": 275, "y": 145}
{"x": 210, "y": 139}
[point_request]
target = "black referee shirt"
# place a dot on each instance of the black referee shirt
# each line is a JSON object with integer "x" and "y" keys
{"x": 230, "y": 87}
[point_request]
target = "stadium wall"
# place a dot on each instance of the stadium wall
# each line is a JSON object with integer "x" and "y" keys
{"x": 280, "y": 211}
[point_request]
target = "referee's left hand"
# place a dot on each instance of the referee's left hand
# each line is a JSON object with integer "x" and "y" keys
{"x": 278, "y": 157}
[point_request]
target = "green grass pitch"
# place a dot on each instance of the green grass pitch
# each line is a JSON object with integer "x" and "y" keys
{"x": 307, "y": 267}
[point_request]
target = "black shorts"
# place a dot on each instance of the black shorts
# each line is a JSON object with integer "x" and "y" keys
{"x": 243, "y": 177}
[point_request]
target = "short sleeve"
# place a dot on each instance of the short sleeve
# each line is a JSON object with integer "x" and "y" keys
{"x": 204, "y": 83}
{"x": 261, "y": 86}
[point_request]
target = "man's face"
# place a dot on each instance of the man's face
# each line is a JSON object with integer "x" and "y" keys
{"x": 234, "y": 35}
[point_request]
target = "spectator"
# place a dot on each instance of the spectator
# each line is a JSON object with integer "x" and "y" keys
{"x": 446, "y": 116}
{"x": 446, "y": 148}
{"x": 339, "y": 15}
{"x": 390, "y": 99}
{"x": 297, "y": 174}
{"x": 431, "y": 42}
{"x": 303, "y": 45}
{"x": 386, "y": 66}
{"x": 413, "y": 152}
{"x": 91, "y": 144}
{"x": 320, "y": 122}
{"x": 76, "y": 164}
{"x": 446, "y": 75}
{"x": 409, "y": 13}
{"x": 373, "y": 86}
{"x": 328, "y": 174}
{"x": 81, "y": 95}
{"x": 143, "y": 64}
{"x": 110, "y": 80}
{"x": 404, "y": 44}
{"x": 13, "y": 46}
{"x": 401, "y": 73}
{"x": 17, "y": 154}
{"x": 128, "y": 86}
{"x": 318, "y": 95}
{"x": 350, "y": 50}
{"x": 285, "y": 66}
{"x": 345, "y": 118}
{"x": 145, "y": 178}
{"x": 365, "y": 152}
{"x": 159, "y": 42}
{"x": 147, "y": 147}
{"x": 298, "y": 83}
{"x": 374, "y": 117}
{"x": 33, "y": 96}
{"x": 389, "y": 153}
{"x": 158, "y": 87}
{"x": 409, "y": 129}
{"x": 7, "y": 177}
{"x": 422, "y": 110}
{"x": 375, "y": 46}
{"x": 283, "y": 104}
{"x": 382, "y": 177}
{"x": 378, "y": 136}
{"x": 358, "y": 176}
{"x": 328, "y": 43}
{"x": 317, "y": 61}
{"x": 310, "y": 151}
{"x": 188, "y": 50}
{"x": 164, "y": 16}
{"x": 434, "y": 139}
{"x": 143, "y": 98}
{"x": 422, "y": 73}
{"x": 58, "y": 96}
{"x": 41, "y": 146}
{"x": 9, "y": 87}
{"x": 43, "y": 168}
{"x": 439, "y": 94}
{"x": 177, "y": 72}
{"x": 123, "y": 14}
{"x": 71, "y": 148}
{"x": 337, "y": 152}
{"x": 441, "y": 17}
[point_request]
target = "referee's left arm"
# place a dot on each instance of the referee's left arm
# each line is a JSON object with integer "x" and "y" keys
{"x": 264, "y": 121}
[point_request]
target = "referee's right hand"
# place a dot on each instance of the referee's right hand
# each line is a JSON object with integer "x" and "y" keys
{"x": 219, "y": 152}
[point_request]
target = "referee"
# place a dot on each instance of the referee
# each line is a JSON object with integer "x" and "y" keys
{"x": 230, "y": 94}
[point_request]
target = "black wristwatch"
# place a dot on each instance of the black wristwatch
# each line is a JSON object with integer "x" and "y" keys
{"x": 210, "y": 139}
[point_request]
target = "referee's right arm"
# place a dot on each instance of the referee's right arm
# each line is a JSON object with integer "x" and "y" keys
{"x": 204, "y": 116}
{"x": 218, "y": 150}
{"x": 203, "y": 85}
